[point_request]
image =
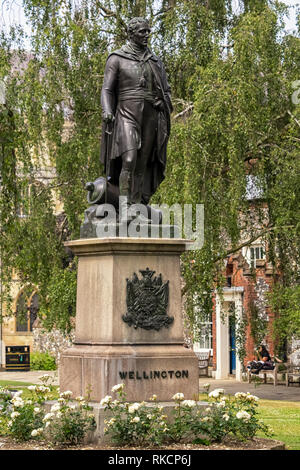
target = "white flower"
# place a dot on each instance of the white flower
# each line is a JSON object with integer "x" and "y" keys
{"x": 153, "y": 398}
{"x": 226, "y": 417}
{"x": 243, "y": 415}
{"x": 17, "y": 394}
{"x": 206, "y": 419}
{"x": 178, "y": 397}
{"x": 34, "y": 433}
{"x": 240, "y": 395}
{"x": 189, "y": 403}
{"x": 14, "y": 414}
{"x": 79, "y": 398}
{"x": 55, "y": 407}
{"x": 221, "y": 404}
{"x": 72, "y": 407}
{"x": 216, "y": 393}
{"x": 106, "y": 400}
{"x": 59, "y": 414}
{"x": 48, "y": 416}
{"x": 117, "y": 388}
{"x": 47, "y": 424}
{"x": 66, "y": 394}
{"x": 134, "y": 407}
{"x": 252, "y": 397}
{"x": 42, "y": 389}
{"x": 18, "y": 403}
{"x": 136, "y": 419}
{"x": 208, "y": 410}
{"x": 32, "y": 388}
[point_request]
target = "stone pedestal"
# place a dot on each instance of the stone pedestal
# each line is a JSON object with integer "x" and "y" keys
{"x": 117, "y": 276}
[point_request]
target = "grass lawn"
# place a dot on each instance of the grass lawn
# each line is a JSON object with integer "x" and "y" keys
{"x": 284, "y": 418}
{"x": 15, "y": 385}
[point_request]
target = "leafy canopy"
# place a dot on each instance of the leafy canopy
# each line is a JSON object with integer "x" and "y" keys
{"x": 232, "y": 76}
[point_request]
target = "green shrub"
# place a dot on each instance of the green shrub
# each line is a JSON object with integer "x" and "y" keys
{"x": 25, "y": 418}
{"x": 68, "y": 423}
{"x": 144, "y": 423}
{"x": 42, "y": 361}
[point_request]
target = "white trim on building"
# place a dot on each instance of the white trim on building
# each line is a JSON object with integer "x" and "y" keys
{"x": 230, "y": 295}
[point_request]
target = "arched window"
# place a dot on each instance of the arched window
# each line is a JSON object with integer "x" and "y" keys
{"x": 33, "y": 310}
{"x": 22, "y": 314}
{"x": 26, "y": 312}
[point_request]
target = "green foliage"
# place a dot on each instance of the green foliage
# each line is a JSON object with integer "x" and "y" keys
{"x": 232, "y": 80}
{"x": 61, "y": 297}
{"x": 68, "y": 423}
{"x": 285, "y": 302}
{"x": 259, "y": 325}
{"x": 145, "y": 424}
{"x": 134, "y": 423}
{"x": 24, "y": 417}
{"x": 42, "y": 361}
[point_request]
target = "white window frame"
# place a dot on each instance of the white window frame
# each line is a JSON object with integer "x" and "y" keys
{"x": 206, "y": 338}
{"x": 256, "y": 248}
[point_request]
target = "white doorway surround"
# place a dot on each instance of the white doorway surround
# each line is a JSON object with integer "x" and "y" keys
{"x": 230, "y": 295}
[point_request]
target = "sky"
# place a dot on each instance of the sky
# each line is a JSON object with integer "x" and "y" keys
{"x": 11, "y": 12}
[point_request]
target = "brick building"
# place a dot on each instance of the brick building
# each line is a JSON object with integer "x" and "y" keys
{"x": 249, "y": 277}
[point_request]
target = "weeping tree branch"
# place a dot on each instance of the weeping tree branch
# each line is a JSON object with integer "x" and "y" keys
{"x": 249, "y": 242}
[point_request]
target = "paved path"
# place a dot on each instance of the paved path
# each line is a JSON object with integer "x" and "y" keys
{"x": 231, "y": 386}
{"x": 263, "y": 391}
{"x": 31, "y": 376}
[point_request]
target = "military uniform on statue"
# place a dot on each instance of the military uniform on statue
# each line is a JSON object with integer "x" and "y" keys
{"x": 136, "y": 100}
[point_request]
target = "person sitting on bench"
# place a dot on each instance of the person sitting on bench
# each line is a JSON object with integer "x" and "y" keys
{"x": 264, "y": 361}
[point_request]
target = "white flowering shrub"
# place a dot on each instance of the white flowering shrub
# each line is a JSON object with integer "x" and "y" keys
{"x": 24, "y": 415}
{"x": 230, "y": 416}
{"x": 145, "y": 424}
{"x": 67, "y": 423}
{"x": 134, "y": 423}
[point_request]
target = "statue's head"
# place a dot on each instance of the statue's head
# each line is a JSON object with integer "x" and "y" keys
{"x": 139, "y": 31}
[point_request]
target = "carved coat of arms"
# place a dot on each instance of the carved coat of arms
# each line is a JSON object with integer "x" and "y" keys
{"x": 147, "y": 301}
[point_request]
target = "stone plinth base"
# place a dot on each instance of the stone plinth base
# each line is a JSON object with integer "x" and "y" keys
{"x": 129, "y": 325}
{"x": 162, "y": 370}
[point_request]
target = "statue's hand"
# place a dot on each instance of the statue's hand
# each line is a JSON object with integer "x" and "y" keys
{"x": 108, "y": 117}
{"x": 159, "y": 105}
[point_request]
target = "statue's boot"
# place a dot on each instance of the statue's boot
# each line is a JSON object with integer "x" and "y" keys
{"x": 137, "y": 196}
{"x": 125, "y": 185}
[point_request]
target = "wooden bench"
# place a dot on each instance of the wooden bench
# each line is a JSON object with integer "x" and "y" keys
{"x": 203, "y": 362}
{"x": 264, "y": 373}
{"x": 292, "y": 373}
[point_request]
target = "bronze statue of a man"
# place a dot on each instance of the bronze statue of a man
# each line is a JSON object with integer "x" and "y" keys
{"x": 136, "y": 106}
